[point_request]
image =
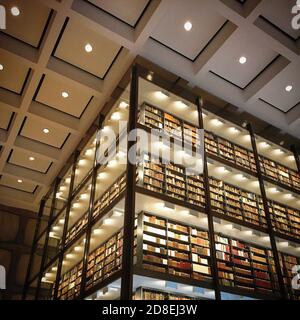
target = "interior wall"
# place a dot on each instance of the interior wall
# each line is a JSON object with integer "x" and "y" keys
{"x": 17, "y": 228}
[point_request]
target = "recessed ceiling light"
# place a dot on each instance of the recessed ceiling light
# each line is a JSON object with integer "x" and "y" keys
{"x": 1, "y": 67}
{"x": 64, "y": 94}
{"x": 45, "y": 130}
{"x": 242, "y": 60}
{"x": 31, "y": 158}
{"x": 15, "y": 11}
{"x": 188, "y": 26}
{"x": 88, "y": 47}
{"x": 288, "y": 88}
{"x": 20, "y": 181}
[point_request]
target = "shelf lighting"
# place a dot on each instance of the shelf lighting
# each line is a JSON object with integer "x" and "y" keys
{"x": 97, "y": 231}
{"x": 279, "y": 151}
{"x": 89, "y": 152}
{"x": 1, "y": 67}
{"x": 248, "y": 232}
{"x": 289, "y": 196}
{"x": 61, "y": 221}
{"x": 56, "y": 228}
{"x": 264, "y": 144}
{"x": 217, "y": 122}
{"x": 70, "y": 256}
{"x": 115, "y": 116}
{"x": 181, "y": 105}
{"x": 273, "y": 190}
{"x": 117, "y": 213}
{"x": 54, "y": 269}
{"x": 112, "y": 163}
{"x": 161, "y": 95}
{"x": 108, "y": 221}
{"x": 31, "y": 158}
{"x": 68, "y": 180}
{"x": 81, "y": 162}
{"x": 283, "y": 244}
{"x": 123, "y": 105}
{"x": 234, "y": 130}
{"x": 46, "y": 130}
{"x": 241, "y": 177}
{"x": 84, "y": 196}
{"x": 20, "y": 181}
{"x": 228, "y": 226}
{"x": 78, "y": 248}
{"x": 76, "y": 205}
{"x": 223, "y": 169}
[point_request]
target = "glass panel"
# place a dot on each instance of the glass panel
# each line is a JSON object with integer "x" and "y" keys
{"x": 62, "y": 193}
{"x": 79, "y": 211}
{"x": 85, "y": 161}
{"x": 70, "y": 280}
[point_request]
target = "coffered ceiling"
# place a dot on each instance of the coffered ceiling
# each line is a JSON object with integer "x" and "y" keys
{"x": 52, "y": 88}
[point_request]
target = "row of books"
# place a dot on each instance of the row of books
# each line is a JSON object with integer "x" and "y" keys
{"x": 175, "y": 248}
{"x": 226, "y": 199}
{"x": 154, "y": 117}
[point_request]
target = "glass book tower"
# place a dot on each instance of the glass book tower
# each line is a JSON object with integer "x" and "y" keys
{"x": 231, "y": 232}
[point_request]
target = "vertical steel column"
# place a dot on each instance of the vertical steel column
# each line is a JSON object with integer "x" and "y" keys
{"x": 33, "y": 248}
{"x": 208, "y": 211}
{"x": 129, "y": 215}
{"x": 90, "y": 215}
{"x": 64, "y": 235}
{"x": 53, "y": 204}
{"x": 268, "y": 216}
{"x": 296, "y": 155}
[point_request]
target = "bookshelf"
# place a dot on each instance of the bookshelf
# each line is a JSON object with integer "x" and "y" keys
{"x": 69, "y": 284}
{"x": 287, "y": 263}
{"x": 176, "y": 249}
{"x": 153, "y": 117}
{"x": 226, "y": 199}
{"x": 155, "y": 294}
{"x": 105, "y": 260}
{"x": 244, "y": 266}
{"x": 170, "y": 250}
{"x": 110, "y": 195}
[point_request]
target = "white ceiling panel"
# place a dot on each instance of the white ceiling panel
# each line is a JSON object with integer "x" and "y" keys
{"x": 205, "y": 24}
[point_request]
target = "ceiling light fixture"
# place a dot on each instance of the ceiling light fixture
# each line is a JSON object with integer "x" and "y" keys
{"x": 31, "y": 158}
{"x": 88, "y": 48}
{"x": 15, "y": 11}
{"x": 45, "y": 130}
{"x": 20, "y": 181}
{"x": 242, "y": 60}
{"x": 188, "y": 26}
{"x": 65, "y": 94}
{"x": 1, "y": 67}
{"x": 288, "y": 88}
